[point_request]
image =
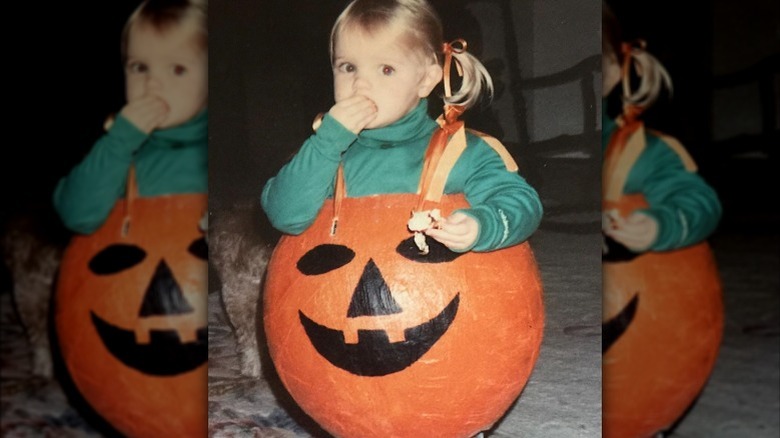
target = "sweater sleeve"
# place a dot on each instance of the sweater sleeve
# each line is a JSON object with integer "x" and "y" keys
{"x": 507, "y": 209}
{"x": 686, "y": 208}
{"x": 293, "y": 197}
{"x": 84, "y": 198}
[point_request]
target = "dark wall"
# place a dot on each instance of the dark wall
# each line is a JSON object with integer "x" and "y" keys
{"x": 681, "y": 38}
{"x": 724, "y": 60}
{"x": 65, "y": 77}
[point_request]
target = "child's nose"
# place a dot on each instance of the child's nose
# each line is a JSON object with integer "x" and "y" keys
{"x": 361, "y": 83}
{"x": 153, "y": 83}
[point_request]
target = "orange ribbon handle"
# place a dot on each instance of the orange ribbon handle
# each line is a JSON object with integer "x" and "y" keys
{"x": 456, "y": 46}
{"x": 436, "y": 147}
{"x": 130, "y": 195}
{"x": 339, "y": 193}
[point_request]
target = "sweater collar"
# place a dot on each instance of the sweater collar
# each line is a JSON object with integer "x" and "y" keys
{"x": 194, "y": 131}
{"x": 410, "y": 128}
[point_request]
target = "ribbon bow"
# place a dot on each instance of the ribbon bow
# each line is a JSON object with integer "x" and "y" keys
{"x": 630, "y": 112}
{"x": 448, "y": 123}
{"x": 456, "y": 46}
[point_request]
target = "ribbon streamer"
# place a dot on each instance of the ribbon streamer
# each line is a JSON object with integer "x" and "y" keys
{"x": 456, "y": 46}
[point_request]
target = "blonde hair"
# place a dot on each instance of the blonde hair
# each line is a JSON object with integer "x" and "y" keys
{"x": 651, "y": 72}
{"x": 162, "y": 15}
{"x": 422, "y": 33}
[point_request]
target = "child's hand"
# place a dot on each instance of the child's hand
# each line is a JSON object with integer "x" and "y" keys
{"x": 636, "y": 232}
{"x": 457, "y": 232}
{"x": 355, "y": 112}
{"x": 146, "y": 113}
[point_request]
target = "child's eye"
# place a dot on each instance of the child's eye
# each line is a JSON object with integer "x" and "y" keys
{"x": 387, "y": 70}
{"x": 179, "y": 70}
{"x": 346, "y": 67}
{"x": 137, "y": 67}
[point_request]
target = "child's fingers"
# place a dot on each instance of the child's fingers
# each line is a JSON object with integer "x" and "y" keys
{"x": 362, "y": 111}
{"x": 146, "y": 113}
{"x": 366, "y": 119}
{"x": 355, "y": 105}
{"x": 626, "y": 237}
{"x": 155, "y": 107}
{"x": 355, "y": 100}
{"x": 456, "y": 232}
{"x": 147, "y": 107}
{"x": 146, "y": 102}
{"x": 453, "y": 229}
{"x": 633, "y": 238}
{"x": 354, "y": 113}
{"x": 447, "y": 239}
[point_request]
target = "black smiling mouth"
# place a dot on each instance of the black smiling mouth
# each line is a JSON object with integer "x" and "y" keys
{"x": 164, "y": 355}
{"x": 374, "y": 355}
{"x": 613, "y": 329}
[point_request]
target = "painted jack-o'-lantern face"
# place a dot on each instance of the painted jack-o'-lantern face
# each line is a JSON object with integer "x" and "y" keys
{"x": 374, "y": 354}
{"x": 663, "y": 320}
{"x": 164, "y": 353}
{"x": 131, "y": 317}
{"x": 373, "y": 339}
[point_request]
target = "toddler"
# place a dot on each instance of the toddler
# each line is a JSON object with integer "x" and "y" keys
{"x": 149, "y": 169}
{"x": 387, "y": 57}
{"x": 683, "y": 209}
{"x": 162, "y": 129}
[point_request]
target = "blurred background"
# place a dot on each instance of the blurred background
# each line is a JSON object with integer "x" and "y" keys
{"x": 62, "y": 92}
{"x": 724, "y": 61}
{"x": 67, "y": 77}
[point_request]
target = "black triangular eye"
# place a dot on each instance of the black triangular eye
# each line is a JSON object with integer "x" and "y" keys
{"x": 437, "y": 252}
{"x": 116, "y": 258}
{"x": 324, "y": 258}
{"x": 199, "y": 248}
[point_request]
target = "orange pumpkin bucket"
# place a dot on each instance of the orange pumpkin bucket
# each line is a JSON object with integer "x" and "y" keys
{"x": 131, "y": 316}
{"x": 372, "y": 338}
{"x": 663, "y": 316}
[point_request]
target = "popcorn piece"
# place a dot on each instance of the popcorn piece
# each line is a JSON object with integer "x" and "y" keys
{"x": 610, "y": 219}
{"x": 203, "y": 224}
{"x": 419, "y": 240}
{"x": 421, "y": 221}
{"x": 436, "y": 216}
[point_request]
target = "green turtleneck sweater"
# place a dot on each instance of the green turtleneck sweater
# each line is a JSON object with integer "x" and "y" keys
{"x": 167, "y": 161}
{"x": 389, "y": 160}
{"x": 686, "y": 208}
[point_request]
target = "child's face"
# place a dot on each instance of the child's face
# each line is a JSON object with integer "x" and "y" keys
{"x": 171, "y": 66}
{"x": 379, "y": 67}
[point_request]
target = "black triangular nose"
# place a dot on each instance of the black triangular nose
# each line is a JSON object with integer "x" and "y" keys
{"x": 372, "y": 296}
{"x": 163, "y": 296}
